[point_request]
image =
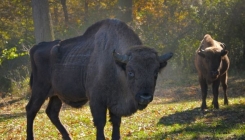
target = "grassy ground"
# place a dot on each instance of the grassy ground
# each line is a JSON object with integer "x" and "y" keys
{"x": 173, "y": 114}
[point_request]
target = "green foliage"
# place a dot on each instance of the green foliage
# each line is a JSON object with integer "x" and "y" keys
{"x": 11, "y": 54}
{"x": 16, "y": 25}
{"x": 79, "y": 18}
{"x": 169, "y": 27}
{"x": 16, "y": 35}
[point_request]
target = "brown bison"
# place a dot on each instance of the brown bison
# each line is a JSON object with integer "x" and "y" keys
{"x": 212, "y": 64}
{"x": 107, "y": 66}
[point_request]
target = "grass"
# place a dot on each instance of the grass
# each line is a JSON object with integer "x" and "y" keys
{"x": 173, "y": 114}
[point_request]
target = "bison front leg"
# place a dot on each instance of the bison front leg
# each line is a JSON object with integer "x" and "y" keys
{"x": 215, "y": 87}
{"x": 99, "y": 117}
{"x": 52, "y": 111}
{"x": 116, "y": 122}
{"x": 204, "y": 90}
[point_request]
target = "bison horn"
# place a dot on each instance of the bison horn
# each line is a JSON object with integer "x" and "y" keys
{"x": 120, "y": 58}
{"x": 201, "y": 53}
{"x": 165, "y": 57}
{"x": 222, "y": 45}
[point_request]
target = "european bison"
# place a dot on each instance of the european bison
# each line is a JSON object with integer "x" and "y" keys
{"x": 212, "y": 64}
{"x": 107, "y": 66}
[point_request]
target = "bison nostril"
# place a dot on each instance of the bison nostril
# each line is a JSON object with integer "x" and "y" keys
{"x": 145, "y": 97}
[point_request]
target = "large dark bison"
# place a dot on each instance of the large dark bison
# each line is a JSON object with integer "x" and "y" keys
{"x": 107, "y": 66}
{"x": 212, "y": 64}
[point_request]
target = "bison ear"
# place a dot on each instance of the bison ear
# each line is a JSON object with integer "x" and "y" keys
{"x": 224, "y": 52}
{"x": 164, "y": 58}
{"x": 200, "y": 53}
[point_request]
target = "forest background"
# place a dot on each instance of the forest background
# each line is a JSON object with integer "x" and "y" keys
{"x": 166, "y": 25}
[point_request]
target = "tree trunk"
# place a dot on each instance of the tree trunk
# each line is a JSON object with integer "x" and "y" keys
{"x": 125, "y": 10}
{"x": 42, "y": 21}
{"x": 55, "y": 16}
{"x": 63, "y": 3}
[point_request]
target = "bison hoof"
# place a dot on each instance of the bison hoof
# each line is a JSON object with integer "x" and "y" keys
{"x": 226, "y": 103}
{"x": 216, "y": 106}
{"x": 204, "y": 106}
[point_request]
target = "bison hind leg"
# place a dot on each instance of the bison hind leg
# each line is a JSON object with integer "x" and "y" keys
{"x": 215, "y": 104}
{"x": 226, "y": 102}
{"x": 32, "y": 108}
{"x": 224, "y": 85}
{"x": 204, "y": 105}
{"x": 52, "y": 111}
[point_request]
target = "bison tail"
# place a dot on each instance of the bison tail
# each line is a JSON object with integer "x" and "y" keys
{"x": 31, "y": 80}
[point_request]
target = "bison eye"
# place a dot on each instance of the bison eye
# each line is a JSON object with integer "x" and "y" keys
{"x": 130, "y": 74}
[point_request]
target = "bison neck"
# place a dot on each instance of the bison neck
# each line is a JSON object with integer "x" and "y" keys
{"x": 122, "y": 100}
{"x": 109, "y": 86}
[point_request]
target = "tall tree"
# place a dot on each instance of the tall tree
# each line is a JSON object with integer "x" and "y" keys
{"x": 42, "y": 21}
{"x": 124, "y": 12}
{"x": 63, "y": 3}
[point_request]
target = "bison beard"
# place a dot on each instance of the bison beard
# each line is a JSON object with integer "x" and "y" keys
{"x": 212, "y": 64}
{"x": 107, "y": 66}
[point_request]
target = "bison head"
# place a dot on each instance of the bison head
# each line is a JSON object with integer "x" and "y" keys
{"x": 141, "y": 66}
{"x": 212, "y": 61}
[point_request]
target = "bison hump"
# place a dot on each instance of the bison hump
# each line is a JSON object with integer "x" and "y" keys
{"x": 208, "y": 41}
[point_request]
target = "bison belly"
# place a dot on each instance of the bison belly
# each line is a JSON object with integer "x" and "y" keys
{"x": 68, "y": 84}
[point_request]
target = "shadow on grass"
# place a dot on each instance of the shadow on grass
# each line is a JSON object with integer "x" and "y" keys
{"x": 185, "y": 117}
{"x": 205, "y": 126}
{"x": 188, "y": 89}
{"x": 10, "y": 102}
{"x": 4, "y": 117}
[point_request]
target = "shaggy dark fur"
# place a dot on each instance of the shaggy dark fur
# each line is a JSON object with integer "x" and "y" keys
{"x": 107, "y": 66}
{"x": 212, "y": 64}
